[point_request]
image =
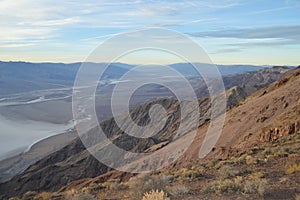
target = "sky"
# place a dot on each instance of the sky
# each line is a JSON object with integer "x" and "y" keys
{"x": 259, "y": 32}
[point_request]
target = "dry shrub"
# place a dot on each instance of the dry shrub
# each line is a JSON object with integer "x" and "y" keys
{"x": 250, "y": 160}
{"x": 237, "y": 185}
{"x": 186, "y": 174}
{"x": 145, "y": 183}
{"x": 29, "y": 195}
{"x": 255, "y": 186}
{"x": 45, "y": 195}
{"x": 178, "y": 190}
{"x": 292, "y": 169}
{"x": 83, "y": 196}
{"x": 227, "y": 171}
{"x": 70, "y": 193}
{"x": 155, "y": 195}
{"x": 224, "y": 186}
{"x": 114, "y": 185}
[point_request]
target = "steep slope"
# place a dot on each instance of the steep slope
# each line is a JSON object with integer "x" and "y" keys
{"x": 242, "y": 85}
{"x": 256, "y": 157}
{"x": 264, "y": 116}
{"x": 14, "y": 165}
{"x": 73, "y": 162}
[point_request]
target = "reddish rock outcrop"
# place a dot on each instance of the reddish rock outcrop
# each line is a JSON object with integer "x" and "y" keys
{"x": 274, "y": 133}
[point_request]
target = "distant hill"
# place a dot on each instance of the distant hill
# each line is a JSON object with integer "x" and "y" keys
{"x": 16, "y": 77}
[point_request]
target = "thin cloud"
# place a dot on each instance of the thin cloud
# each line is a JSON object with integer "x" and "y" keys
{"x": 182, "y": 23}
{"x": 269, "y": 10}
{"x": 19, "y": 34}
{"x": 57, "y": 22}
{"x": 16, "y": 45}
{"x": 285, "y": 32}
{"x": 263, "y": 43}
{"x": 224, "y": 51}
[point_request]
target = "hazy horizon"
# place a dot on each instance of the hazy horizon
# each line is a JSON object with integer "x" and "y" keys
{"x": 139, "y": 64}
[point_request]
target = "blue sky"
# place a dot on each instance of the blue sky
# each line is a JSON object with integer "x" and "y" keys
{"x": 231, "y": 31}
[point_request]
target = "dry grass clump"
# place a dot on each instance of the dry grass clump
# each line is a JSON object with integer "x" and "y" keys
{"x": 257, "y": 175}
{"x": 224, "y": 186}
{"x": 83, "y": 196}
{"x": 212, "y": 163}
{"x": 255, "y": 186}
{"x": 178, "y": 190}
{"x": 236, "y": 185}
{"x": 228, "y": 171}
{"x": 45, "y": 196}
{"x": 114, "y": 185}
{"x": 29, "y": 195}
{"x": 278, "y": 151}
{"x": 94, "y": 187}
{"x": 192, "y": 173}
{"x": 250, "y": 160}
{"x": 140, "y": 185}
{"x": 155, "y": 195}
{"x": 70, "y": 193}
{"x": 297, "y": 197}
{"x": 293, "y": 169}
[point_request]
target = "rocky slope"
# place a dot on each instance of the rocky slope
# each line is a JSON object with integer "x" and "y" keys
{"x": 73, "y": 162}
{"x": 256, "y": 157}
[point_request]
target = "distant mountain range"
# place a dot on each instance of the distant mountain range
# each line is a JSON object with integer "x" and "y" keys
{"x": 16, "y": 77}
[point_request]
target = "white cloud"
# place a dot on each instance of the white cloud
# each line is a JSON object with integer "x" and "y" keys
{"x": 17, "y": 34}
{"x": 30, "y": 22}
{"x": 16, "y": 45}
{"x": 55, "y": 22}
